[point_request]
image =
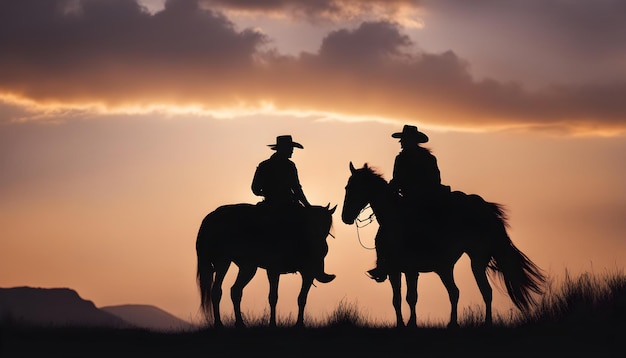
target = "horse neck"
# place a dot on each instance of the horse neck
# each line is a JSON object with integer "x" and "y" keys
{"x": 381, "y": 204}
{"x": 322, "y": 221}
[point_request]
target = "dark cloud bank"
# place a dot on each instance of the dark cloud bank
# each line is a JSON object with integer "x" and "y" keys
{"x": 115, "y": 53}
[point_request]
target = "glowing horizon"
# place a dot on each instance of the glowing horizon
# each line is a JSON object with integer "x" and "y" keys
{"x": 44, "y": 111}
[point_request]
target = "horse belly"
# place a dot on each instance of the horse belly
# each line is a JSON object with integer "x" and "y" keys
{"x": 269, "y": 256}
{"x": 429, "y": 259}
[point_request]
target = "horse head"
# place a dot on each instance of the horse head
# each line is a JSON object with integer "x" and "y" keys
{"x": 320, "y": 221}
{"x": 358, "y": 192}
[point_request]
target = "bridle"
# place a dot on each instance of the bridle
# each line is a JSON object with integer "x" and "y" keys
{"x": 367, "y": 221}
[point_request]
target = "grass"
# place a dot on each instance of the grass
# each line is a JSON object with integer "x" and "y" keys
{"x": 580, "y": 316}
{"x": 587, "y": 300}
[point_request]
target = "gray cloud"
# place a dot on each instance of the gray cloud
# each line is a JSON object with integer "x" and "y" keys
{"x": 439, "y": 88}
{"x": 538, "y": 41}
{"x": 76, "y": 47}
{"x": 596, "y": 26}
{"x": 115, "y": 53}
{"x": 370, "y": 43}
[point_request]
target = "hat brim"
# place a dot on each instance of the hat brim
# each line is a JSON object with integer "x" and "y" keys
{"x": 419, "y": 137}
{"x": 292, "y": 145}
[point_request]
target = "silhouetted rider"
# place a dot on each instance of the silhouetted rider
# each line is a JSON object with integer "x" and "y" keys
{"x": 416, "y": 180}
{"x": 276, "y": 179}
{"x": 416, "y": 174}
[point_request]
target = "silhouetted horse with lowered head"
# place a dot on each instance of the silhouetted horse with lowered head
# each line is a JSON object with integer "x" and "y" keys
{"x": 252, "y": 236}
{"x": 468, "y": 225}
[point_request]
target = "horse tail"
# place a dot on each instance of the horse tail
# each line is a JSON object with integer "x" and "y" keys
{"x": 521, "y": 277}
{"x": 205, "y": 271}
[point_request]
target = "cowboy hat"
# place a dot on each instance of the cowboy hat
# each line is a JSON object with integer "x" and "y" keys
{"x": 411, "y": 132}
{"x": 285, "y": 141}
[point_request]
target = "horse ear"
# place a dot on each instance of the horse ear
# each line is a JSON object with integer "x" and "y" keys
{"x": 332, "y": 211}
{"x": 327, "y": 206}
{"x": 352, "y": 169}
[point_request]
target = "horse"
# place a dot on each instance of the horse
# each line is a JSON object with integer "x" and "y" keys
{"x": 252, "y": 237}
{"x": 470, "y": 225}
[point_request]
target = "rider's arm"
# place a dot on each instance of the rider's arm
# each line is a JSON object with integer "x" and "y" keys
{"x": 394, "y": 182}
{"x": 297, "y": 188}
{"x": 300, "y": 196}
{"x": 436, "y": 174}
{"x": 257, "y": 186}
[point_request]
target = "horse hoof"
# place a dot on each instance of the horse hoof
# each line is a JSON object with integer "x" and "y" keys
{"x": 453, "y": 325}
{"x": 240, "y": 325}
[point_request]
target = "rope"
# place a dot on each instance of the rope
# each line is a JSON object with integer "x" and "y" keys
{"x": 367, "y": 221}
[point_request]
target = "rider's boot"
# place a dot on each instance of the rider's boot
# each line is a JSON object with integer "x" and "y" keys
{"x": 322, "y": 276}
{"x": 378, "y": 273}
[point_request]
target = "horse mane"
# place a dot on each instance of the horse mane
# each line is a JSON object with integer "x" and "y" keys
{"x": 373, "y": 171}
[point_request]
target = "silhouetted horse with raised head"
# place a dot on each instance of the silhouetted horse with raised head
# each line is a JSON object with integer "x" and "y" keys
{"x": 252, "y": 236}
{"x": 468, "y": 224}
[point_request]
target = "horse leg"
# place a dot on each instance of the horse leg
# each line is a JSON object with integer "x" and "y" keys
{"x": 307, "y": 281}
{"x": 394, "y": 279}
{"x": 479, "y": 268}
{"x": 411, "y": 296}
{"x": 273, "y": 277}
{"x": 447, "y": 277}
{"x": 246, "y": 273}
{"x": 216, "y": 293}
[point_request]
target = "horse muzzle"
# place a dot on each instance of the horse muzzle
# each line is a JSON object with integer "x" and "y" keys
{"x": 347, "y": 219}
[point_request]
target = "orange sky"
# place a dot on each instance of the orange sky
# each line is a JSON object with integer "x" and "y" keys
{"x": 115, "y": 141}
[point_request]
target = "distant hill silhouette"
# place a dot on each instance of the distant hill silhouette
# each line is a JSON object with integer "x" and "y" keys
{"x": 149, "y": 317}
{"x": 64, "y": 307}
{"x": 53, "y": 307}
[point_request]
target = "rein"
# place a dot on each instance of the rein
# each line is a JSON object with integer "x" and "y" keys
{"x": 359, "y": 225}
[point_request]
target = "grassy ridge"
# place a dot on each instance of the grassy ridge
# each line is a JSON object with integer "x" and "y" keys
{"x": 581, "y": 316}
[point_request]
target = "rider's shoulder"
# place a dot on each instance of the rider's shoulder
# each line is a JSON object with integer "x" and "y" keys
{"x": 264, "y": 163}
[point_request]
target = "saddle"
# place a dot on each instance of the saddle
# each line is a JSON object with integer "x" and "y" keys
{"x": 281, "y": 225}
{"x": 422, "y": 217}
{"x": 423, "y": 204}
{"x": 295, "y": 213}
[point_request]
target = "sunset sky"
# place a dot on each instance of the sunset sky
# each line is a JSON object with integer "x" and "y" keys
{"x": 124, "y": 122}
